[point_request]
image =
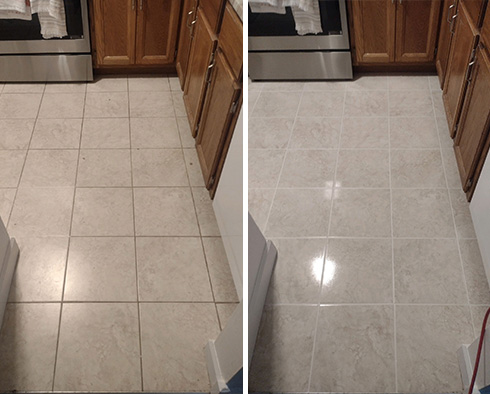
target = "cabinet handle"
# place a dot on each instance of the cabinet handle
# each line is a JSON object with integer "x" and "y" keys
{"x": 210, "y": 69}
{"x": 449, "y": 12}
{"x": 401, "y": 2}
{"x": 453, "y": 19}
{"x": 470, "y": 66}
{"x": 133, "y": 5}
{"x": 188, "y": 16}
{"x": 141, "y": 5}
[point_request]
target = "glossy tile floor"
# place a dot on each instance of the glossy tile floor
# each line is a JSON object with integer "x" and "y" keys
{"x": 379, "y": 278}
{"x": 122, "y": 277}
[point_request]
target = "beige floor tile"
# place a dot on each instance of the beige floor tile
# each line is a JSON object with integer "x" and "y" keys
{"x": 178, "y": 104}
{"x": 101, "y": 269}
{"x": 224, "y": 313}
{"x": 103, "y": 212}
{"x": 57, "y": 134}
{"x": 368, "y": 133}
{"x": 28, "y": 347}
{"x": 50, "y": 168}
{"x": 154, "y": 133}
{"x": 308, "y": 168}
{"x": 104, "y": 167}
{"x": 172, "y": 270}
{"x": 297, "y": 277}
{"x": 165, "y": 212}
{"x": 422, "y": 213}
{"x": 283, "y": 86}
{"x": 174, "y": 84}
{"x": 408, "y": 82}
{"x": 205, "y": 212}
{"x": 363, "y": 168}
{"x": 274, "y": 133}
{"x": 428, "y": 271}
{"x": 186, "y": 137}
{"x": 259, "y": 205}
{"x": 159, "y": 167}
{"x": 173, "y": 358}
{"x": 151, "y": 104}
{"x": 105, "y": 133}
{"x": 419, "y": 328}
{"x": 462, "y": 215}
{"x": 316, "y": 133}
{"x": 193, "y": 167}
{"x": 434, "y": 82}
{"x": 24, "y": 88}
{"x": 42, "y": 212}
{"x": 361, "y": 213}
{"x": 11, "y": 168}
{"x": 413, "y": 133}
{"x": 438, "y": 104}
{"x": 324, "y": 86}
{"x": 368, "y": 82}
{"x": 98, "y": 348}
{"x": 358, "y": 271}
{"x": 417, "y": 168}
{"x": 108, "y": 84}
{"x": 148, "y": 84}
{"x": 476, "y": 280}
{"x": 360, "y": 338}
{"x": 253, "y": 97}
{"x": 40, "y": 270}
{"x": 65, "y": 88}
{"x": 19, "y": 106}
{"x": 284, "y": 331}
{"x": 451, "y": 169}
{"x": 264, "y": 167}
{"x": 276, "y": 104}
{"x": 411, "y": 103}
{"x": 62, "y": 106}
{"x": 446, "y": 141}
{"x": 478, "y": 314}
{"x": 107, "y": 105}
{"x": 300, "y": 213}
{"x": 6, "y": 202}
{"x": 15, "y": 133}
{"x": 321, "y": 104}
{"x": 219, "y": 270}
{"x": 366, "y": 103}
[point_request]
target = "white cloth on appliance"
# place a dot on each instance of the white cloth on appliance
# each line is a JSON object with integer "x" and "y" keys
{"x": 52, "y": 17}
{"x": 15, "y": 9}
{"x": 264, "y": 6}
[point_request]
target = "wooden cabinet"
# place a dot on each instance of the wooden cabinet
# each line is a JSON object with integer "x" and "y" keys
{"x": 475, "y": 9}
{"x": 446, "y": 32}
{"x": 186, "y": 33}
{"x": 395, "y": 32}
{"x": 135, "y": 32}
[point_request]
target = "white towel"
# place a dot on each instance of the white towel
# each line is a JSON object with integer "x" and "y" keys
{"x": 264, "y": 6}
{"x": 15, "y": 9}
{"x": 52, "y": 17}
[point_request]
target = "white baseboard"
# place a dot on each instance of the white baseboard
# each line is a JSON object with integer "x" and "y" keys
{"x": 218, "y": 384}
{"x": 466, "y": 368}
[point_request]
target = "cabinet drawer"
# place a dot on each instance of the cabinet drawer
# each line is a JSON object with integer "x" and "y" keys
{"x": 231, "y": 39}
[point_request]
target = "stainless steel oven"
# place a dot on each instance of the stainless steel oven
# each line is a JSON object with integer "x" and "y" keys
{"x": 278, "y": 52}
{"x": 26, "y": 56}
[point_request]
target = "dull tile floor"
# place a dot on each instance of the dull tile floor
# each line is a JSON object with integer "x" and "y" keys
{"x": 379, "y": 278}
{"x": 122, "y": 277}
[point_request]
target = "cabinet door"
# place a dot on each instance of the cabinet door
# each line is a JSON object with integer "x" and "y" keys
{"x": 463, "y": 43}
{"x": 186, "y": 33}
{"x": 416, "y": 30}
{"x": 219, "y": 109}
{"x": 475, "y": 10}
{"x": 445, "y": 37}
{"x": 156, "y": 35}
{"x": 202, "y": 49}
{"x": 475, "y": 120}
{"x": 115, "y": 22}
{"x": 374, "y": 29}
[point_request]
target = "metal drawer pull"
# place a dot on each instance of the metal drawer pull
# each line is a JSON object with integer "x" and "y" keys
{"x": 453, "y": 19}
{"x": 141, "y": 5}
{"x": 133, "y": 4}
{"x": 188, "y": 16}
{"x": 449, "y": 12}
{"x": 470, "y": 66}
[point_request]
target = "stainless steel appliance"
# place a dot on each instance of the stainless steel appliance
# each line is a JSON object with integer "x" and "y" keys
{"x": 26, "y": 56}
{"x": 277, "y": 52}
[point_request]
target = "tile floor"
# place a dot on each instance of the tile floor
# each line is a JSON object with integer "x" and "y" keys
{"x": 122, "y": 277}
{"x": 379, "y": 278}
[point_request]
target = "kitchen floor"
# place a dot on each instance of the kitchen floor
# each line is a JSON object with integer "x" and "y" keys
{"x": 122, "y": 277}
{"x": 379, "y": 279}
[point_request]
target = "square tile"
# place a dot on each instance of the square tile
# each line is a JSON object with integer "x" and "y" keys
{"x": 42, "y": 212}
{"x": 295, "y": 86}
{"x": 6, "y": 202}
{"x": 367, "y": 82}
{"x": 341, "y": 340}
{"x": 419, "y": 328}
{"x": 284, "y": 330}
{"x": 105, "y": 133}
{"x": 300, "y": 213}
{"x": 451, "y": 169}
{"x": 417, "y": 168}
{"x": 11, "y": 168}
{"x": 276, "y": 104}
{"x": 316, "y": 133}
{"x": 173, "y": 358}
{"x": 224, "y": 313}
{"x": 259, "y": 205}
{"x": 297, "y": 279}
{"x": 155, "y": 133}
{"x": 53, "y": 87}
{"x": 358, "y": 271}
{"x": 193, "y": 167}
{"x": 308, "y": 168}
{"x": 361, "y": 213}
{"x": 40, "y": 270}
{"x": 172, "y": 270}
{"x": 462, "y": 214}
{"x": 101, "y": 269}
{"x": 408, "y": 82}
{"x": 151, "y": 104}
{"x": 219, "y": 270}
{"x": 19, "y": 106}
{"x": 476, "y": 279}
{"x": 439, "y": 109}
{"x": 264, "y": 167}
{"x": 104, "y": 167}
{"x": 108, "y": 83}
{"x": 366, "y": 103}
{"x": 311, "y": 86}
{"x": 411, "y": 103}
{"x": 148, "y": 84}
{"x": 179, "y": 106}
{"x": 422, "y": 213}
{"x": 363, "y": 168}
{"x": 444, "y": 136}
{"x": 434, "y": 83}
{"x": 57, "y": 134}
{"x": 367, "y": 133}
{"x": 478, "y": 314}
{"x": 159, "y": 167}
{"x": 50, "y": 168}
{"x": 24, "y": 88}
{"x": 15, "y": 133}
{"x": 205, "y": 212}
{"x": 103, "y": 212}
{"x": 273, "y": 133}
{"x": 186, "y": 137}
{"x": 165, "y": 212}
{"x": 174, "y": 84}
{"x": 98, "y": 348}
{"x": 413, "y": 133}
{"x": 321, "y": 104}
{"x": 428, "y": 271}
{"x": 62, "y": 105}
{"x": 28, "y": 347}
{"x": 107, "y": 105}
